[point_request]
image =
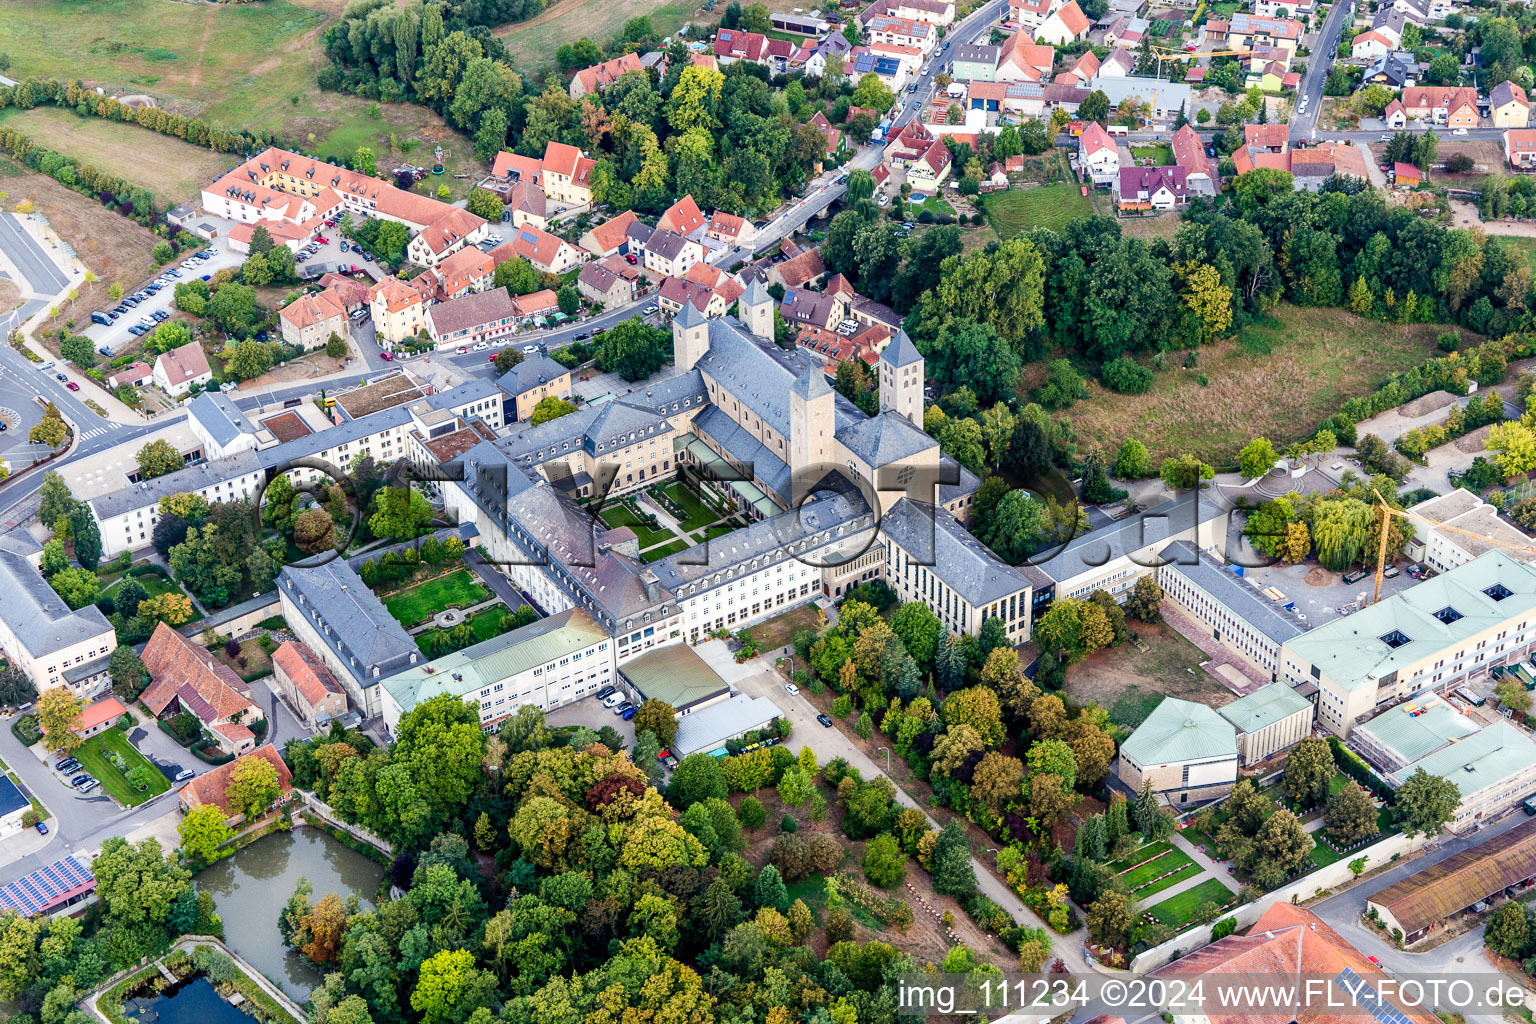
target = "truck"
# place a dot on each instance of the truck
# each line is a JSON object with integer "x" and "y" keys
{"x": 878, "y": 135}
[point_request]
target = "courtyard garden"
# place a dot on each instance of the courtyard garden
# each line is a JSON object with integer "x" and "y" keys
{"x": 416, "y": 605}
{"x": 699, "y": 512}
{"x": 1179, "y": 911}
{"x": 125, "y": 774}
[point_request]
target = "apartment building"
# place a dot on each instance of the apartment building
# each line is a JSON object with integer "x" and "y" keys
{"x": 399, "y": 311}
{"x": 41, "y": 636}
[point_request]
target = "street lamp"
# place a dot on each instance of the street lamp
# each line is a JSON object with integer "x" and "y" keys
{"x": 887, "y": 757}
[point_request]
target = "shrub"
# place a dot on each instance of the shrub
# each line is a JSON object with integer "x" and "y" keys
{"x": 1126, "y": 376}
{"x": 1450, "y": 341}
{"x": 788, "y": 824}
{"x": 842, "y": 707}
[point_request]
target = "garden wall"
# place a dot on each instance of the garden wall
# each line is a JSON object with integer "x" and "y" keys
{"x": 1303, "y": 888}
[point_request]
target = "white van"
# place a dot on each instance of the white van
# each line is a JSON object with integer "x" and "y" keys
{"x": 613, "y": 700}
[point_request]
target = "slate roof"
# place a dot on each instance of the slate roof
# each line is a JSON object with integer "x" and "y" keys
{"x": 1087, "y": 552}
{"x": 965, "y": 565}
{"x": 189, "y": 480}
{"x": 362, "y": 633}
{"x": 219, "y": 416}
{"x": 901, "y": 351}
{"x": 532, "y": 372}
{"x": 884, "y": 439}
{"x": 41, "y": 620}
{"x": 1233, "y": 593}
{"x": 1180, "y": 730}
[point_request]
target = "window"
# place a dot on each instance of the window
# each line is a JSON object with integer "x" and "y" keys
{"x": 1396, "y": 638}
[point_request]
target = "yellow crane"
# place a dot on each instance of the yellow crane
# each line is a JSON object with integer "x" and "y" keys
{"x": 1192, "y": 54}
{"x": 1388, "y": 510}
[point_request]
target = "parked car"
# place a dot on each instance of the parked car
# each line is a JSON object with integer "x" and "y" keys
{"x": 651, "y": 309}
{"x": 791, "y": 689}
{"x": 185, "y": 774}
{"x": 530, "y": 350}
{"x": 387, "y": 357}
{"x": 824, "y": 720}
{"x": 89, "y": 786}
{"x": 613, "y": 699}
{"x": 60, "y": 376}
{"x": 105, "y": 351}
{"x": 100, "y": 318}
{"x": 1459, "y": 131}
{"x": 632, "y": 258}
{"x": 72, "y": 385}
{"x": 345, "y": 247}
{"x": 629, "y": 713}
{"x": 604, "y": 693}
{"x": 42, "y": 829}
{"x": 80, "y": 780}
{"x": 626, "y": 706}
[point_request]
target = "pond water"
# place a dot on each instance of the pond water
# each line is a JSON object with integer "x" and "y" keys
{"x": 193, "y": 1001}
{"x": 253, "y": 886}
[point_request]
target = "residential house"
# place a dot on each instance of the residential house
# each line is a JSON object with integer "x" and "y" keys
{"x": 929, "y": 171}
{"x": 1271, "y": 138}
{"x": 1021, "y": 60}
{"x": 1520, "y": 147}
{"x": 349, "y": 291}
{"x": 542, "y": 303}
{"x": 890, "y": 69}
{"x": 468, "y": 270}
{"x": 178, "y": 370}
{"x": 1390, "y": 24}
{"x": 310, "y": 320}
{"x": 720, "y": 283}
{"x": 1422, "y": 13}
{"x": 733, "y": 44}
{"x": 527, "y": 203}
{"x": 609, "y": 237}
{"x": 1395, "y": 116}
{"x": 446, "y": 236}
{"x": 803, "y": 308}
{"x": 974, "y": 62}
{"x": 138, "y": 374}
{"x": 1116, "y": 64}
{"x": 669, "y": 253}
{"x": 728, "y": 228}
{"x": 1064, "y": 97}
{"x": 1152, "y": 188}
{"x": 677, "y": 292}
{"x": 1032, "y": 14}
{"x": 834, "y": 136}
{"x": 1126, "y": 33}
{"x": 1082, "y": 70}
{"x": 600, "y": 76}
{"x": 835, "y": 45}
{"x": 1097, "y": 154}
{"x": 212, "y": 788}
{"x": 186, "y": 677}
{"x": 565, "y": 173}
{"x": 1284, "y": 8}
{"x": 1452, "y": 106}
{"x": 1065, "y": 25}
{"x": 398, "y": 310}
{"x": 548, "y": 253}
{"x": 935, "y": 12}
{"x": 1200, "y": 173}
{"x": 918, "y": 35}
{"x": 530, "y": 382}
{"x": 99, "y": 717}
{"x": 601, "y": 286}
{"x": 1249, "y": 31}
{"x": 1393, "y": 70}
{"x": 683, "y": 217}
{"x": 1509, "y": 106}
{"x": 801, "y": 269}
{"x": 308, "y": 686}
{"x": 472, "y": 319}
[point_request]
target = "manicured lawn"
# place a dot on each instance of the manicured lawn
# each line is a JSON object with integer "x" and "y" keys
{"x": 93, "y": 757}
{"x": 1322, "y": 853}
{"x": 664, "y": 550}
{"x": 699, "y": 514}
{"x": 484, "y": 623}
{"x": 712, "y": 533}
{"x": 1142, "y": 853}
{"x": 257, "y": 662}
{"x": 153, "y": 586}
{"x": 415, "y": 605}
{"x": 1161, "y": 155}
{"x": 1185, "y": 873}
{"x": 621, "y": 515}
{"x": 1176, "y": 911}
{"x": 1278, "y": 379}
{"x": 1051, "y": 206}
{"x": 1162, "y": 865}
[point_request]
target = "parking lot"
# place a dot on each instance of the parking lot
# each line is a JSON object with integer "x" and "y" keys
{"x": 589, "y": 711}
{"x": 1320, "y": 595}
{"x": 117, "y": 335}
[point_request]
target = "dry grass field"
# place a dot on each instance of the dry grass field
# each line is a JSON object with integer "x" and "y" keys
{"x": 173, "y": 170}
{"x": 1277, "y": 380}
{"x": 116, "y": 248}
{"x": 532, "y": 43}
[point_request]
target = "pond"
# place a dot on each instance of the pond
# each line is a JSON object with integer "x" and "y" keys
{"x": 253, "y": 886}
{"x": 193, "y": 1001}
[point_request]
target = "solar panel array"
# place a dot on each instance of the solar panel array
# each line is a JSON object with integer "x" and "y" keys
{"x": 1365, "y": 994}
{"x": 46, "y": 887}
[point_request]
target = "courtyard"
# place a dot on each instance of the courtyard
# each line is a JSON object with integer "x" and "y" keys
{"x": 670, "y": 517}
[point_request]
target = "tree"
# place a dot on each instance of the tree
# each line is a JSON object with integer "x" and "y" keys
{"x": 795, "y": 786}
{"x": 315, "y": 531}
{"x": 698, "y": 777}
{"x": 85, "y": 536}
{"x": 234, "y": 308}
{"x": 770, "y": 890}
{"x": 1508, "y": 932}
{"x": 51, "y": 430}
{"x": 363, "y": 161}
{"x": 1132, "y": 462}
{"x": 400, "y": 513}
{"x": 170, "y": 608}
{"x": 1109, "y": 917}
{"x": 659, "y": 717}
{"x": 485, "y": 204}
{"x": 1426, "y": 803}
{"x": 1144, "y": 602}
{"x": 79, "y": 350}
{"x": 1512, "y": 695}
{"x": 550, "y": 407}
{"x": 1350, "y": 817}
{"x": 203, "y": 831}
{"x": 139, "y": 884}
{"x": 253, "y": 787}
{"x": 54, "y": 498}
{"x": 1207, "y": 300}
{"x": 517, "y": 276}
{"x": 1257, "y": 458}
{"x": 1514, "y": 448}
{"x": 78, "y": 587}
{"x": 335, "y": 346}
{"x": 249, "y": 359}
{"x": 1063, "y": 385}
{"x": 58, "y": 713}
{"x": 1308, "y": 771}
{"x": 128, "y": 673}
{"x": 569, "y": 300}
{"x": 441, "y": 985}
{"x": 1184, "y": 472}
{"x": 157, "y": 459}
{"x": 884, "y": 862}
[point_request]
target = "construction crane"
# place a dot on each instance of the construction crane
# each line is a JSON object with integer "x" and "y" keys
{"x": 1388, "y": 510}
{"x": 1164, "y": 52}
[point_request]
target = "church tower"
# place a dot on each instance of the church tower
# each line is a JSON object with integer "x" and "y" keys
{"x": 901, "y": 379}
{"x": 690, "y": 337}
{"x": 756, "y": 307}
{"x": 812, "y": 424}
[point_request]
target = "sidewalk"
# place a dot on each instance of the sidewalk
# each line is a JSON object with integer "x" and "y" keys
{"x": 1216, "y": 870}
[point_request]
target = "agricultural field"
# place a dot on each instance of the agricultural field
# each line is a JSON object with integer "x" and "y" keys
{"x": 532, "y": 43}
{"x": 173, "y": 170}
{"x": 237, "y": 65}
{"x": 1278, "y": 379}
{"x": 1049, "y": 206}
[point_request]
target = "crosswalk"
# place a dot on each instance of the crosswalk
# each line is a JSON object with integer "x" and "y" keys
{"x": 93, "y": 432}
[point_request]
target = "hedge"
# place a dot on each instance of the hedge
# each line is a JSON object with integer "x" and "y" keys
{"x": 1350, "y": 764}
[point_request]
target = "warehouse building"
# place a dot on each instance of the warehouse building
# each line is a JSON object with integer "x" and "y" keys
{"x": 1186, "y": 751}
{"x": 1441, "y": 891}
{"x": 1247, "y": 621}
{"x": 1270, "y": 719}
{"x": 708, "y": 731}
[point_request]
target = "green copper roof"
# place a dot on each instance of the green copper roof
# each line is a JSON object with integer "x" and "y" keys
{"x": 1417, "y": 727}
{"x": 1264, "y": 706}
{"x": 1362, "y": 649}
{"x": 1480, "y": 760}
{"x": 1181, "y": 730}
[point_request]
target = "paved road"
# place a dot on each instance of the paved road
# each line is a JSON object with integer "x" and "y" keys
{"x": 1340, "y": 15}
{"x": 30, "y": 257}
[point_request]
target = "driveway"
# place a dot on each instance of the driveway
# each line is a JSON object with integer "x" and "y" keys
{"x": 590, "y": 712}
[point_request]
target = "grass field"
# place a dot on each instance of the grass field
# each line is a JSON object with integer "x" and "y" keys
{"x": 1161, "y": 154}
{"x": 620, "y": 515}
{"x": 1323, "y": 854}
{"x": 778, "y": 631}
{"x": 154, "y": 586}
{"x": 237, "y": 65}
{"x": 92, "y": 755}
{"x": 671, "y": 548}
{"x": 532, "y": 43}
{"x": 1526, "y": 246}
{"x": 415, "y": 605}
{"x": 1176, "y": 911}
{"x": 1276, "y": 380}
{"x": 1050, "y": 206}
{"x": 1130, "y": 684}
{"x": 699, "y": 514}
{"x": 173, "y": 170}
{"x": 1146, "y": 872}
{"x": 1188, "y": 871}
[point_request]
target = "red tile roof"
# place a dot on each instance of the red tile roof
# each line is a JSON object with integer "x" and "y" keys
{"x": 600, "y": 76}
{"x": 309, "y": 310}
{"x": 212, "y": 788}
{"x": 1270, "y": 136}
{"x": 610, "y": 233}
{"x": 682, "y": 216}
{"x": 308, "y": 673}
{"x": 185, "y": 363}
{"x": 1073, "y": 18}
{"x": 108, "y": 709}
{"x": 173, "y": 661}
